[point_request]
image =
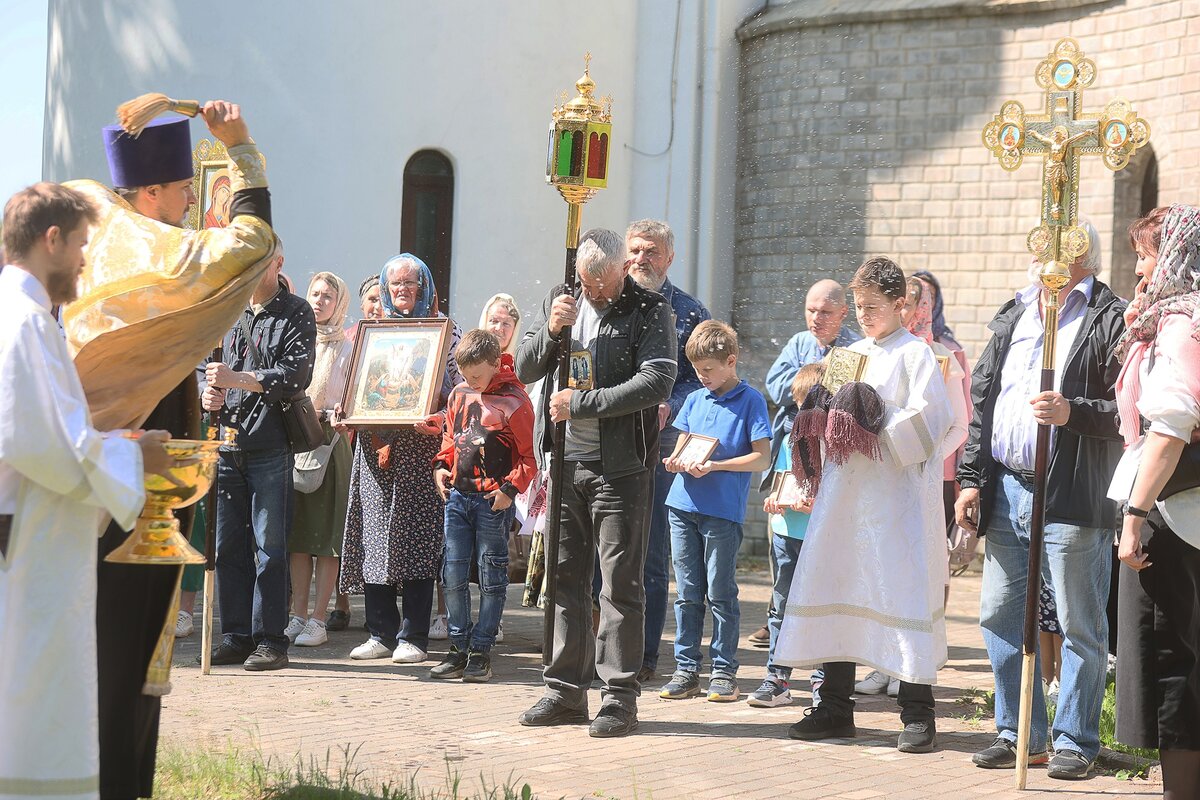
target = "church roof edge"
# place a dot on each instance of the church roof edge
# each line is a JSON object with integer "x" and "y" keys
{"x": 798, "y": 14}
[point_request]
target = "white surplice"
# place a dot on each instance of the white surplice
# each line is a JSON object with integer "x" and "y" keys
{"x": 868, "y": 585}
{"x": 60, "y": 478}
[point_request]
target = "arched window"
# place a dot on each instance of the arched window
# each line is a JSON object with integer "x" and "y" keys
{"x": 427, "y": 216}
{"x": 1135, "y": 194}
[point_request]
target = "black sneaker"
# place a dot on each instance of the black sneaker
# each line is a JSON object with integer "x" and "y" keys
{"x": 1002, "y": 754}
{"x": 225, "y": 654}
{"x": 549, "y": 711}
{"x": 478, "y": 669}
{"x": 1069, "y": 765}
{"x": 818, "y": 723}
{"x": 682, "y": 685}
{"x": 917, "y": 737}
{"x": 264, "y": 659}
{"x": 338, "y": 620}
{"x": 451, "y": 666}
{"x": 612, "y": 721}
{"x": 645, "y": 675}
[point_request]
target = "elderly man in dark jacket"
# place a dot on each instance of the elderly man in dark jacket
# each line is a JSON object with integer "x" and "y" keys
{"x": 623, "y": 364}
{"x": 997, "y": 482}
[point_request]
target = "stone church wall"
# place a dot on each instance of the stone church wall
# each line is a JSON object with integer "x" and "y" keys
{"x": 860, "y": 133}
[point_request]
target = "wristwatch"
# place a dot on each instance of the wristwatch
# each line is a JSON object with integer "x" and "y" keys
{"x": 1134, "y": 511}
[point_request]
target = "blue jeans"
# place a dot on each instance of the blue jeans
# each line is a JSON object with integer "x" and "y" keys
{"x": 704, "y": 550}
{"x": 785, "y": 551}
{"x": 1076, "y": 564}
{"x": 656, "y": 574}
{"x": 254, "y": 515}
{"x": 472, "y": 527}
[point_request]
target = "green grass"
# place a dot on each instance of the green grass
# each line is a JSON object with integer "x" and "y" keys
{"x": 979, "y": 705}
{"x": 241, "y": 773}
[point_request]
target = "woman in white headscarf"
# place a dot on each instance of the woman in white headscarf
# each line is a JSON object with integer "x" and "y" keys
{"x": 320, "y": 515}
{"x": 502, "y": 318}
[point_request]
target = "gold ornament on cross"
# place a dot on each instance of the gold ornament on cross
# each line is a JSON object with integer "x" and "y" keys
{"x": 1061, "y": 135}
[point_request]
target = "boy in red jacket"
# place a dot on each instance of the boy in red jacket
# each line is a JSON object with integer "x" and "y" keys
{"x": 486, "y": 460}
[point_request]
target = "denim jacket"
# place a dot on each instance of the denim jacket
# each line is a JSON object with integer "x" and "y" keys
{"x": 689, "y": 312}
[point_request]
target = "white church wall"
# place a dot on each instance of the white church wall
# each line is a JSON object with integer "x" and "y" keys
{"x": 340, "y": 96}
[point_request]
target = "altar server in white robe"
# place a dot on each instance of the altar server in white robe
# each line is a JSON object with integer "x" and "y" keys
{"x": 868, "y": 586}
{"x": 59, "y": 480}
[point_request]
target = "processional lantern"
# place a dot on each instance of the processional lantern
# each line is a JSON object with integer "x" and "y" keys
{"x": 576, "y": 165}
{"x": 1061, "y": 135}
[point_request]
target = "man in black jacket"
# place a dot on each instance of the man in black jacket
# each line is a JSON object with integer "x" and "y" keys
{"x": 268, "y": 359}
{"x": 623, "y": 354}
{"x": 997, "y": 492}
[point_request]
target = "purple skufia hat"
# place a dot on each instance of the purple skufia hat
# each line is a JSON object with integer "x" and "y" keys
{"x": 161, "y": 154}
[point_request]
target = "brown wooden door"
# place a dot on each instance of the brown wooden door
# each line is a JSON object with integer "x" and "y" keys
{"x": 427, "y": 216}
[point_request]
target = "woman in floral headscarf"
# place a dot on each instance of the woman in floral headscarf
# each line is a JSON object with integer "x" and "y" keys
{"x": 394, "y": 523}
{"x": 1158, "y": 398}
{"x": 319, "y": 517}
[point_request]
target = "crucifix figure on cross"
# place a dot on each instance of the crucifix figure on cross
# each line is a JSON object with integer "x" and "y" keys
{"x": 1061, "y": 136}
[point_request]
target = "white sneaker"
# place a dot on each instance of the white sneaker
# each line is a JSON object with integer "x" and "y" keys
{"x": 893, "y": 689}
{"x": 408, "y": 653}
{"x": 183, "y": 625}
{"x": 875, "y": 683}
{"x": 500, "y": 633}
{"x": 439, "y": 629}
{"x": 294, "y": 628}
{"x": 371, "y": 648}
{"x": 313, "y": 634}
{"x": 1051, "y": 692}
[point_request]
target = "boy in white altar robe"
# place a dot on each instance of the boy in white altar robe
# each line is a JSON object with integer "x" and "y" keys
{"x": 868, "y": 586}
{"x": 60, "y": 478}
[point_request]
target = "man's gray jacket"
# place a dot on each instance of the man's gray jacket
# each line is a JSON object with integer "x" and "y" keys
{"x": 635, "y": 368}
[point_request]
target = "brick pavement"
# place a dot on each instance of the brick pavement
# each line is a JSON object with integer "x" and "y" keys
{"x": 403, "y": 722}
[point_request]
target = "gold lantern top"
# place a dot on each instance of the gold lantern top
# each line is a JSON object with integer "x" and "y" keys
{"x": 580, "y": 137}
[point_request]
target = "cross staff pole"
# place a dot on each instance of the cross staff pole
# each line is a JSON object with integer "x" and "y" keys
{"x": 577, "y": 166}
{"x": 1060, "y": 135}
{"x": 1053, "y": 280}
{"x": 210, "y": 543}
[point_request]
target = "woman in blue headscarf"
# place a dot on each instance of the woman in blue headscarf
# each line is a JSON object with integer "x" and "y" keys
{"x": 394, "y": 523}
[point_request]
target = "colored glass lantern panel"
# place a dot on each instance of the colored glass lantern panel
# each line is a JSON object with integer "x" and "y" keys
{"x": 563, "y": 167}
{"x": 599, "y": 138}
{"x": 550, "y": 154}
{"x": 595, "y": 152}
{"x": 577, "y": 151}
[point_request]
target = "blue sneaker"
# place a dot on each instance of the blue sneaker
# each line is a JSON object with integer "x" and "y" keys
{"x": 771, "y": 694}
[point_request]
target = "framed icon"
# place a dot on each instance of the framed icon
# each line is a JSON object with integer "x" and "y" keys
{"x": 396, "y": 372}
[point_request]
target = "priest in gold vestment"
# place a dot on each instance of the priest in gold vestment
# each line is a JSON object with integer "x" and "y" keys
{"x": 154, "y": 300}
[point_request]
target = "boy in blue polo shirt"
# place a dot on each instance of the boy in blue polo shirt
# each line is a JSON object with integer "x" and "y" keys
{"x": 707, "y": 505}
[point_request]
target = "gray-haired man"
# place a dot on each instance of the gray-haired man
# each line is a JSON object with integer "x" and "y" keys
{"x": 623, "y": 364}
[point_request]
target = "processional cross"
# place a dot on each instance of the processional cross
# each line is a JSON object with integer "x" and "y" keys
{"x": 1061, "y": 135}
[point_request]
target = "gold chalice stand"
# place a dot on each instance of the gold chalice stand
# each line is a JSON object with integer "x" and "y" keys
{"x": 156, "y": 537}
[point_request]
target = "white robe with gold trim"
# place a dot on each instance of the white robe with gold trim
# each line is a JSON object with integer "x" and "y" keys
{"x": 60, "y": 478}
{"x": 868, "y": 585}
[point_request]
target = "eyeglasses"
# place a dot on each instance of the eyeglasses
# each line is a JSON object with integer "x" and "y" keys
{"x": 411, "y": 286}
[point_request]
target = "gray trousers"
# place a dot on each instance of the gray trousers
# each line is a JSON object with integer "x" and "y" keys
{"x": 604, "y": 519}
